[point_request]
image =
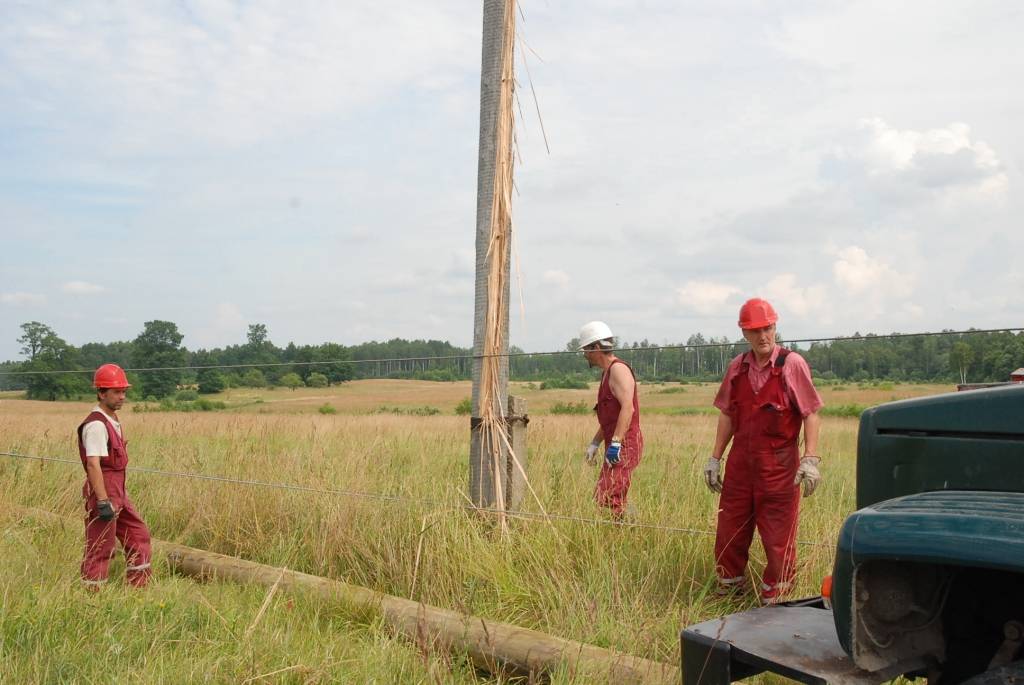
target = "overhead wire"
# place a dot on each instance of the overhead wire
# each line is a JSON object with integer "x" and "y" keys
{"x": 512, "y": 355}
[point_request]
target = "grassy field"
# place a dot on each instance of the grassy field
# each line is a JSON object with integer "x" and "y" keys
{"x": 627, "y": 588}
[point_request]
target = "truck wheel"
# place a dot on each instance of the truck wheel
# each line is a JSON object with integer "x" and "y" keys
{"x": 1010, "y": 674}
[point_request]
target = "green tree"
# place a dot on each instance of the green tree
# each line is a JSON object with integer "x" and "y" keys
{"x": 34, "y": 338}
{"x": 12, "y": 382}
{"x": 159, "y": 346}
{"x": 338, "y": 372}
{"x": 317, "y": 380}
{"x": 92, "y": 355}
{"x": 292, "y": 380}
{"x": 211, "y": 381}
{"x": 254, "y": 378}
{"x": 960, "y": 357}
{"x": 257, "y": 334}
{"x": 49, "y": 355}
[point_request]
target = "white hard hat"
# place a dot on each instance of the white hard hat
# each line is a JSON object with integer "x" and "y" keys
{"x": 594, "y": 331}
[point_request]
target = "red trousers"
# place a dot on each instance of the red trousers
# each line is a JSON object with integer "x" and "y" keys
{"x": 758, "y": 492}
{"x": 101, "y": 536}
{"x": 613, "y": 483}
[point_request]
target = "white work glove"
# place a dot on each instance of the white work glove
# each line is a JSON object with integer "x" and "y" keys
{"x": 712, "y": 474}
{"x": 592, "y": 449}
{"x": 808, "y": 474}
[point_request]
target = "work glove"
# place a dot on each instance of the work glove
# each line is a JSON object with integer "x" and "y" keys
{"x": 106, "y": 510}
{"x": 592, "y": 449}
{"x": 613, "y": 454}
{"x": 808, "y": 474}
{"x": 713, "y": 474}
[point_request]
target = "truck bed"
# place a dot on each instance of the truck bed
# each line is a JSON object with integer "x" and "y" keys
{"x": 796, "y": 640}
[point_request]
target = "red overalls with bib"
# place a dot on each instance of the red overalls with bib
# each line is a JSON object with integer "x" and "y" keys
{"x": 613, "y": 483}
{"x": 127, "y": 526}
{"x": 759, "y": 489}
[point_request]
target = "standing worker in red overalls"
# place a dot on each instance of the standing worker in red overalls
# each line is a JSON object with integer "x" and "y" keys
{"x": 766, "y": 396}
{"x": 618, "y": 413}
{"x": 109, "y": 514}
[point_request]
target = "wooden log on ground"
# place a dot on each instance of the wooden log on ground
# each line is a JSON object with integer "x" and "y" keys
{"x": 491, "y": 645}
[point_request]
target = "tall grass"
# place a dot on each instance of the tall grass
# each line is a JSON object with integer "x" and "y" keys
{"x": 578, "y": 408}
{"x": 631, "y": 589}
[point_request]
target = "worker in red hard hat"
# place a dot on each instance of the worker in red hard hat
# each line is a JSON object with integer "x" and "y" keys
{"x": 618, "y": 417}
{"x": 766, "y": 397}
{"x": 109, "y": 514}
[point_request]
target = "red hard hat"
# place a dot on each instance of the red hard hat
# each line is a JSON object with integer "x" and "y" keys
{"x": 110, "y": 376}
{"x": 757, "y": 313}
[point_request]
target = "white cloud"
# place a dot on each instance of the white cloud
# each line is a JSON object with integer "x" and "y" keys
{"x": 945, "y": 161}
{"x": 556, "y": 277}
{"x": 18, "y": 299}
{"x": 802, "y": 302}
{"x": 232, "y": 75}
{"x": 857, "y": 272}
{"x": 705, "y": 297}
{"x": 335, "y": 148}
{"x": 226, "y": 326}
{"x": 82, "y": 288}
{"x": 462, "y": 264}
{"x": 870, "y": 289}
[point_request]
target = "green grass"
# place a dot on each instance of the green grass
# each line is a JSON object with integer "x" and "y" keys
{"x": 628, "y": 589}
{"x": 681, "y": 411}
{"x": 409, "y": 411}
{"x": 180, "y": 631}
{"x": 572, "y": 408}
{"x": 565, "y": 383}
{"x": 847, "y": 410}
{"x": 179, "y": 405}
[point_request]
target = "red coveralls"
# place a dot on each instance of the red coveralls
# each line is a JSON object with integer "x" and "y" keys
{"x": 127, "y": 526}
{"x": 758, "y": 488}
{"x": 613, "y": 483}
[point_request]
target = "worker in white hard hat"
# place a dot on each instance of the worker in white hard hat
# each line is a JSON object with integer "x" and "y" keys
{"x": 618, "y": 416}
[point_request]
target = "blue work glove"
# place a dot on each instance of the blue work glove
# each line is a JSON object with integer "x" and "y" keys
{"x": 613, "y": 454}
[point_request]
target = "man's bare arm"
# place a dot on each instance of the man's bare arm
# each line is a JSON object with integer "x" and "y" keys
{"x": 812, "y": 425}
{"x": 95, "y": 476}
{"x": 723, "y": 434}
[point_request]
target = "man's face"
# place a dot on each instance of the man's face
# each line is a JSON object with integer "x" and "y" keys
{"x": 113, "y": 398}
{"x": 761, "y": 340}
{"x": 591, "y": 352}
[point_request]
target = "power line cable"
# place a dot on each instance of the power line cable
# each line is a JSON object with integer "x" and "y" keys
{"x": 397, "y": 499}
{"x": 453, "y": 357}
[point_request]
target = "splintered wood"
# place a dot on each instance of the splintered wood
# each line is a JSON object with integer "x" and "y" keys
{"x": 494, "y": 441}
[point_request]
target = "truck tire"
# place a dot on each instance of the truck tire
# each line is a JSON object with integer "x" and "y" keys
{"x": 1010, "y": 674}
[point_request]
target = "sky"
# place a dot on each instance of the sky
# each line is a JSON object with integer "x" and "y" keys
{"x": 312, "y": 166}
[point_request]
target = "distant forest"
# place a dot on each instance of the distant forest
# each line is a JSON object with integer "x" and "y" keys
{"x": 157, "y": 351}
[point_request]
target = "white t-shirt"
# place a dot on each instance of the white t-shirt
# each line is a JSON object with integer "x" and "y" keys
{"x": 94, "y": 435}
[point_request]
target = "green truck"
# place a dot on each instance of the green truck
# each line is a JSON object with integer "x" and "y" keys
{"x": 928, "y": 578}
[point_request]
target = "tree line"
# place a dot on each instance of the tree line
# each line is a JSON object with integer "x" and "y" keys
{"x": 158, "y": 353}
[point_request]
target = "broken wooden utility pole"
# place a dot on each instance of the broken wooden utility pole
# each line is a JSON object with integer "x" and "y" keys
{"x": 492, "y": 461}
{"x": 499, "y": 648}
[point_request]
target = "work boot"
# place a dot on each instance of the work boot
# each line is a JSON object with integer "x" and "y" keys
{"x": 728, "y": 587}
{"x": 773, "y": 594}
{"x": 93, "y": 586}
{"x": 627, "y": 515}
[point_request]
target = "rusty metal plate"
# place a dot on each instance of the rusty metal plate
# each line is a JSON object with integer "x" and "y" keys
{"x": 798, "y": 642}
